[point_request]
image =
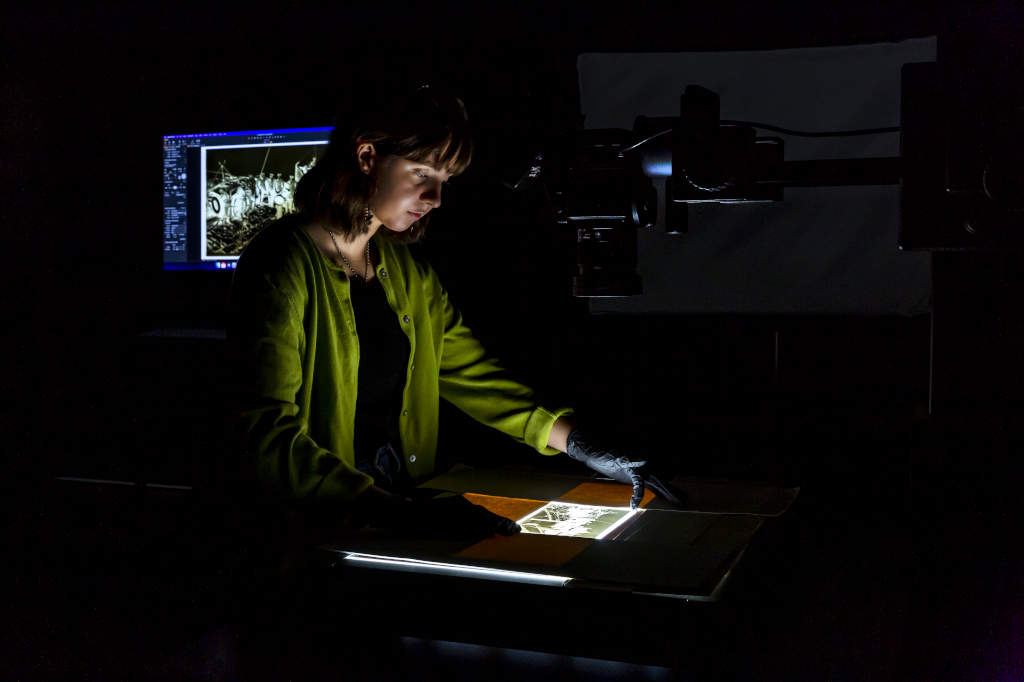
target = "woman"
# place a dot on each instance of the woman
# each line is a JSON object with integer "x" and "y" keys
{"x": 348, "y": 340}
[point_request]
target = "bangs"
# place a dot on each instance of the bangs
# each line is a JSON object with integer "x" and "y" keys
{"x": 436, "y": 132}
{"x": 451, "y": 155}
{"x": 458, "y": 152}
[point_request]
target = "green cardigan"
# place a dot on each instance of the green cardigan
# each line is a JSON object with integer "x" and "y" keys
{"x": 293, "y": 332}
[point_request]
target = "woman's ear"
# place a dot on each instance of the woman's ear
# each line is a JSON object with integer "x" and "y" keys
{"x": 366, "y": 155}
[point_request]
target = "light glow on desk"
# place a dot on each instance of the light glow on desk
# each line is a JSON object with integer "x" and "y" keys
{"x": 567, "y": 519}
{"x": 438, "y": 568}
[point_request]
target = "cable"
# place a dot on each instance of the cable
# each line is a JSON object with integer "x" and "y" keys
{"x": 845, "y": 133}
{"x": 663, "y": 132}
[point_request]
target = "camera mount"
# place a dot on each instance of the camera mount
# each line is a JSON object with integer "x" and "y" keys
{"x": 958, "y": 190}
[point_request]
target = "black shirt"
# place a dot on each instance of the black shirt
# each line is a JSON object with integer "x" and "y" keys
{"x": 383, "y": 359}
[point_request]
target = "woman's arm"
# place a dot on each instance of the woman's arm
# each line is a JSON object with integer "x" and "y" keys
{"x": 560, "y": 431}
{"x": 474, "y": 381}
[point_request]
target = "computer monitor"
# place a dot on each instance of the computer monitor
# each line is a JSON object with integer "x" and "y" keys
{"x": 220, "y": 189}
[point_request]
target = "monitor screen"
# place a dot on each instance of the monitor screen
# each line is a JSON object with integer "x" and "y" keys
{"x": 220, "y": 189}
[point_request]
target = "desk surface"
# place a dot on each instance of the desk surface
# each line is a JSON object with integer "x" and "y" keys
{"x": 705, "y": 495}
{"x": 665, "y": 551}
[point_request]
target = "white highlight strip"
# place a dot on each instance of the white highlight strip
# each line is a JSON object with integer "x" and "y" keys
{"x": 419, "y": 566}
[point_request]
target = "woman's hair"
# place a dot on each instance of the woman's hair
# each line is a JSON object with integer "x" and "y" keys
{"x": 422, "y": 126}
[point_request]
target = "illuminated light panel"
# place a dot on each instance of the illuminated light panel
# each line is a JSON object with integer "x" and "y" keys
{"x": 587, "y": 514}
{"x": 417, "y": 565}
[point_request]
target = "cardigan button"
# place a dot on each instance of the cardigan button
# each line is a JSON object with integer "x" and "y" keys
{"x": 384, "y": 274}
{"x": 412, "y": 458}
{"x": 406, "y": 319}
{"x": 405, "y": 413}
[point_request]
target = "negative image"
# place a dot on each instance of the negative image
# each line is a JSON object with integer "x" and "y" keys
{"x": 575, "y": 520}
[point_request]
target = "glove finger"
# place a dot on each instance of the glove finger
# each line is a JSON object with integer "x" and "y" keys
{"x": 638, "y": 496}
{"x": 638, "y": 489}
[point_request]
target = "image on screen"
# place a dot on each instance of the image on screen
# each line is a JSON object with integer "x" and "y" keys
{"x": 221, "y": 189}
{"x": 575, "y": 520}
{"x": 248, "y": 187}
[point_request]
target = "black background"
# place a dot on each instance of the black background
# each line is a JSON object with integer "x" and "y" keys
{"x": 905, "y": 549}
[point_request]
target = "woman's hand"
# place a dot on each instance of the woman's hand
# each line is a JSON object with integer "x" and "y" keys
{"x": 608, "y": 463}
{"x": 639, "y": 474}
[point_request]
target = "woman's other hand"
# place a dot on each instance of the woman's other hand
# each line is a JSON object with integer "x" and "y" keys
{"x": 452, "y": 517}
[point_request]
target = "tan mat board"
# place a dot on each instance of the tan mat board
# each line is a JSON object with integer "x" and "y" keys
{"x": 683, "y": 571}
{"x": 510, "y": 507}
{"x": 525, "y": 548}
{"x": 711, "y": 496}
{"x": 604, "y": 494}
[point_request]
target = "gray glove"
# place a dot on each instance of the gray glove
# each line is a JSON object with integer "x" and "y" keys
{"x": 608, "y": 463}
{"x": 640, "y": 474}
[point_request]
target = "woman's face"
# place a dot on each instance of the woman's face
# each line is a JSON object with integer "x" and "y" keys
{"x": 406, "y": 191}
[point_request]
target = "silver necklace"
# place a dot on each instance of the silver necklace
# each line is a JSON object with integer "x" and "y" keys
{"x": 366, "y": 277}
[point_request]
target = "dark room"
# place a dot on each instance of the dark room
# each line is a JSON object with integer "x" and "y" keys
{"x": 514, "y": 340}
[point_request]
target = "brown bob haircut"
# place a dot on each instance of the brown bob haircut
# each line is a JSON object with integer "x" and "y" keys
{"x": 425, "y": 126}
